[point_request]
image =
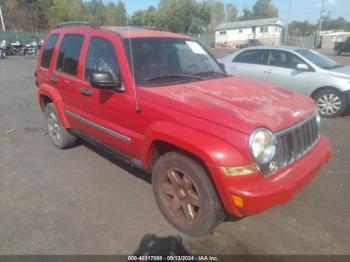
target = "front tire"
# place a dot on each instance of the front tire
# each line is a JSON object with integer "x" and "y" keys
{"x": 185, "y": 195}
{"x": 330, "y": 103}
{"x": 59, "y": 136}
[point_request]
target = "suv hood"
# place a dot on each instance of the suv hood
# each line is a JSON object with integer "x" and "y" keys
{"x": 234, "y": 102}
{"x": 343, "y": 71}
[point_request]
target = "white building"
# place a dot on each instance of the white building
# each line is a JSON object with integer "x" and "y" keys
{"x": 267, "y": 31}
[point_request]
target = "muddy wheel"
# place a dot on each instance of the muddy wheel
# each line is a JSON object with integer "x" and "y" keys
{"x": 59, "y": 136}
{"x": 185, "y": 194}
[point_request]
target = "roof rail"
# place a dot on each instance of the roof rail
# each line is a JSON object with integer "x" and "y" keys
{"x": 72, "y": 23}
{"x": 144, "y": 27}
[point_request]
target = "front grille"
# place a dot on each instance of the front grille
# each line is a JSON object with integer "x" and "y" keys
{"x": 293, "y": 143}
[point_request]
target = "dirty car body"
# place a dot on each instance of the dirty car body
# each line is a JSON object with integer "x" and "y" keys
{"x": 214, "y": 144}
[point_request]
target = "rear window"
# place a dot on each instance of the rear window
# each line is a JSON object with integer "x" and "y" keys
{"x": 48, "y": 51}
{"x": 69, "y": 54}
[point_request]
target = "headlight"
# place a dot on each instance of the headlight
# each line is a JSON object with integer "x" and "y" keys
{"x": 262, "y": 143}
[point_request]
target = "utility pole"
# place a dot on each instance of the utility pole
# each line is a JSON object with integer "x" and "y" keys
{"x": 288, "y": 15}
{"x": 2, "y": 20}
{"x": 320, "y": 24}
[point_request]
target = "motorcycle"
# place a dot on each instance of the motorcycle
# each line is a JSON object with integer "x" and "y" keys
{"x": 3, "y": 45}
{"x": 31, "y": 48}
{"x": 16, "y": 47}
{"x": 2, "y": 53}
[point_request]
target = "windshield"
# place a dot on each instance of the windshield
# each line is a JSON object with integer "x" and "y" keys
{"x": 318, "y": 59}
{"x": 158, "y": 61}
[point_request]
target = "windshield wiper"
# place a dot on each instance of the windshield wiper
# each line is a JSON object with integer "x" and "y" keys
{"x": 210, "y": 72}
{"x": 173, "y": 76}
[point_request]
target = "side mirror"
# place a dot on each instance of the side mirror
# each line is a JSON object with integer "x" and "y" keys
{"x": 104, "y": 80}
{"x": 302, "y": 67}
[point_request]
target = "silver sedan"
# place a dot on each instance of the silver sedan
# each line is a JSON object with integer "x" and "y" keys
{"x": 297, "y": 69}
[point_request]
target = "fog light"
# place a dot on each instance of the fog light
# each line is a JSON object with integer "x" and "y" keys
{"x": 237, "y": 200}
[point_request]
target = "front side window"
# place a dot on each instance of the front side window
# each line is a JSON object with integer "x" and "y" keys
{"x": 168, "y": 60}
{"x": 48, "y": 51}
{"x": 283, "y": 59}
{"x": 68, "y": 57}
{"x": 318, "y": 59}
{"x": 252, "y": 57}
{"x": 101, "y": 59}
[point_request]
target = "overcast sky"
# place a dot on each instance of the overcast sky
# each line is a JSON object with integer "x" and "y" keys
{"x": 300, "y": 9}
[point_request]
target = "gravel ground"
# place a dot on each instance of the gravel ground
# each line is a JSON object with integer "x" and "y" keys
{"x": 79, "y": 201}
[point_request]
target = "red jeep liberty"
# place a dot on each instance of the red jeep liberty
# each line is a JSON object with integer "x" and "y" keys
{"x": 214, "y": 144}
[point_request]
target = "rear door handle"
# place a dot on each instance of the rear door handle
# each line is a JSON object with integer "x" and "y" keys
{"x": 233, "y": 67}
{"x": 267, "y": 71}
{"x": 86, "y": 91}
{"x": 54, "y": 79}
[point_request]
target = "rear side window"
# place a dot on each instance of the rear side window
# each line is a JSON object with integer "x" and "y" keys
{"x": 252, "y": 57}
{"x": 69, "y": 54}
{"x": 48, "y": 51}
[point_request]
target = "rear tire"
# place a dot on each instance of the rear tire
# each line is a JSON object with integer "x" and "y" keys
{"x": 59, "y": 136}
{"x": 330, "y": 103}
{"x": 185, "y": 195}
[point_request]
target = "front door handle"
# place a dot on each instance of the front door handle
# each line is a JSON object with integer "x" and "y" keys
{"x": 86, "y": 91}
{"x": 54, "y": 79}
{"x": 267, "y": 71}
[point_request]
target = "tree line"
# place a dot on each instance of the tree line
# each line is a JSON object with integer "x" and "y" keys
{"x": 174, "y": 15}
{"x": 184, "y": 16}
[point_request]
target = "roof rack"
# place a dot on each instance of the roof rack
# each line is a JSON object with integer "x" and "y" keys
{"x": 72, "y": 23}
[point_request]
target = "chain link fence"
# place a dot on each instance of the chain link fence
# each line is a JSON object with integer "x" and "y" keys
{"x": 208, "y": 40}
{"x": 300, "y": 41}
{"x": 18, "y": 35}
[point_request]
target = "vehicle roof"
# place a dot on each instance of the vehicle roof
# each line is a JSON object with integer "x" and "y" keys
{"x": 126, "y": 32}
{"x": 290, "y": 48}
{"x": 135, "y": 32}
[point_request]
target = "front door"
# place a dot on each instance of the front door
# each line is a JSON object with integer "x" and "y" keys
{"x": 108, "y": 115}
{"x": 282, "y": 72}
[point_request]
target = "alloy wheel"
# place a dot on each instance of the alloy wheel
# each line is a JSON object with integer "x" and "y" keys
{"x": 54, "y": 128}
{"x": 329, "y": 104}
{"x": 180, "y": 196}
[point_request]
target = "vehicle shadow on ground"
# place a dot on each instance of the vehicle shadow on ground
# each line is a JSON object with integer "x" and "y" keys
{"x": 153, "y": 245}
{"x": 116, "y": 161}
{"x": 347, "y": 112}
{"x": 136, "y": 172}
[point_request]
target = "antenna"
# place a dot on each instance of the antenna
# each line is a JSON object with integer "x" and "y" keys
{"x": 138, "y": 108}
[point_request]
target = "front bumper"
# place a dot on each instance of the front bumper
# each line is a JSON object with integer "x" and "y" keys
{"x": 259, "y": 193}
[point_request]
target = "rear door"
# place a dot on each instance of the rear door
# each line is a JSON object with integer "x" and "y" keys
{"x": 44, "y": 63}
{"x": 250, "y": 64}
{"x": 282, "y": 72}
{"x": 65, "y": 75}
